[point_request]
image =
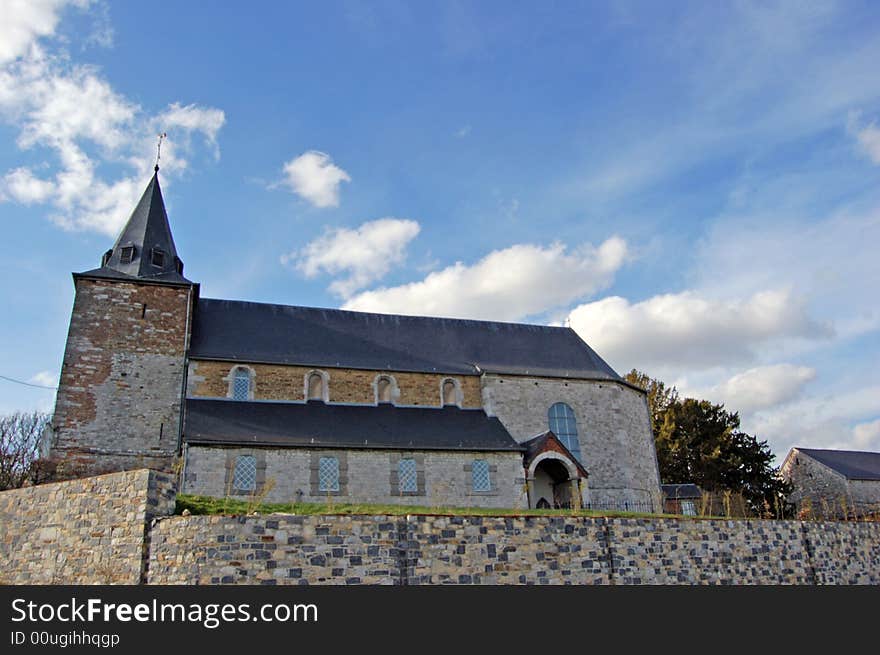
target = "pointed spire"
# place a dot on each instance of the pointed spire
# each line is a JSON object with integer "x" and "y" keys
{"x": 145, "y": 248}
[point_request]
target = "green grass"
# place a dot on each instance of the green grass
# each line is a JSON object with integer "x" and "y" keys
{"x": 230, "y": 506}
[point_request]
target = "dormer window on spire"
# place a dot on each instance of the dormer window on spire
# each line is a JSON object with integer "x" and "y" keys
{"x": 158, "y": 258}
{"x": 126, "y": 255}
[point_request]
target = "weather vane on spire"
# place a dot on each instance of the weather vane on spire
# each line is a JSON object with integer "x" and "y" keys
{"x": 162, "y": 136}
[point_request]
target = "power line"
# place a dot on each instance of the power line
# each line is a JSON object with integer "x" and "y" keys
{"x": 27, "y": 384}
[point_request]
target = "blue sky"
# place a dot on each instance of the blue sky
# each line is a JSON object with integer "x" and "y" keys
{"x": 692, "y": 187}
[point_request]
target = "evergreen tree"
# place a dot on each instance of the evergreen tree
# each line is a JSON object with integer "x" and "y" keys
{"x": 701, "y": 442}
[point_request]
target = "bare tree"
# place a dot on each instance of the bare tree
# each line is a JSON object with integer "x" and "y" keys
{"x": 20, "y": 435}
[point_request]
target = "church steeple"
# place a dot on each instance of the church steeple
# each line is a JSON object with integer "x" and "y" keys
{"x": 145, "y": 248}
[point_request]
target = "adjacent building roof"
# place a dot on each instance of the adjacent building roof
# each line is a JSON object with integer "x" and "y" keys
{"x": 680, "y": 491}
{"x": 852, "y": 464}
{"x": 281, "y": 334}
{"x": 318, "y": 425}
{"x": 144, "y": 250}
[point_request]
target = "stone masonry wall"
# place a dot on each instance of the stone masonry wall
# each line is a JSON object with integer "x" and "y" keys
{"x": 118, "y": 403}
{"x": 276, "y": 549}
{"x": 843, "y": 552}
{"x": 278, "y": 382}
{"x": 365, "y": 476}
{"x": 93, "y": 530}
{"x": 821, "y": 492}
{"x": 613, "y": 424}
{"x": 864, "y": 496}
{"x": 284, "y": 549}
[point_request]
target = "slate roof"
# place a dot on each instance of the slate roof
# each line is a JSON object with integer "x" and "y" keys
{"x": 678, "y": 491}
{"x": 146, "y": 229}
{"x": 281, "y": 334}
{"x": 318, "y": 425}
{"x": 852, "y": 464}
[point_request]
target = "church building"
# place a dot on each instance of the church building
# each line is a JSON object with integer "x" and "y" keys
{"x": 301, "y": 404}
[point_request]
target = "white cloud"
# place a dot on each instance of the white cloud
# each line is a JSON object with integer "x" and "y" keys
{"x": 821, "y": 421}
{"x": 193, "y": 119}
{"x": 507, "y": 285}
{"x": 22, "y": 186}
{"x": 366, "y": 254}
{"x": 315, "y": 177}
{"x": 868, "y": 138}
{"x": 757, "y": 388}
{"x": 866, "y": 436}
{"x": 24, "y": 21}
{"x": 71, "y": 111}
{"x": 45, "y": 379}
{"x": 677, "y": 331}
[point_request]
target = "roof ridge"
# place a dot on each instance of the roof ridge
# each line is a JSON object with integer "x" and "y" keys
{"x": 404, "y": 316}
{"x": 837, "y": 450}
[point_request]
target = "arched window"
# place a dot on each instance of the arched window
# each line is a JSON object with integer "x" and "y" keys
{"x": 450, "y": 392}
{"x": 317, "y": 389}
{"x": 564, "y": 425}
{"x": 383, "y": 390}
{"x": 241, "y": 384}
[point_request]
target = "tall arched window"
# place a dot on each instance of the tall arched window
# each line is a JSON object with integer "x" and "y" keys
{"x": 316, "y": 389}
{"x": 241, "y": 384}
{"x": 564, "y": 425}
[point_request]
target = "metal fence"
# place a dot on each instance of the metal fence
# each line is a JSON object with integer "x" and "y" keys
{"x": 645, "y": 507}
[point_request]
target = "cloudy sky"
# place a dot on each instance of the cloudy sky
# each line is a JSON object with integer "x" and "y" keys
{"x": 694, "y": 188}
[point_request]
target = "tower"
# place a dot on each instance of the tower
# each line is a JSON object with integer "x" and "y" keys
{"x": 123, "y": 377}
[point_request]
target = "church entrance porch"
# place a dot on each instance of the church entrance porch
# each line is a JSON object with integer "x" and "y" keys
{"x": 554, "y": 477}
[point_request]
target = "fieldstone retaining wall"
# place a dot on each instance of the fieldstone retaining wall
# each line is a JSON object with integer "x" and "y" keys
{"x": 93, "y": 530}
{"x": 285, "y": 549}
{"x": 275, "y": 549}
{"x": 117, "y": 528}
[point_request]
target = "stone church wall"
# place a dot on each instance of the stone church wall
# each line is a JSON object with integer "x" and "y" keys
{"x": 365, "y": 476}
{"x": 278, "y": 382}
{"x": 613, "y": 424}
{"x": 118, "y": 404}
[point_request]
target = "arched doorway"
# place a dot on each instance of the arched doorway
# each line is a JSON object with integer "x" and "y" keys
{"x": 551, "y": 485}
